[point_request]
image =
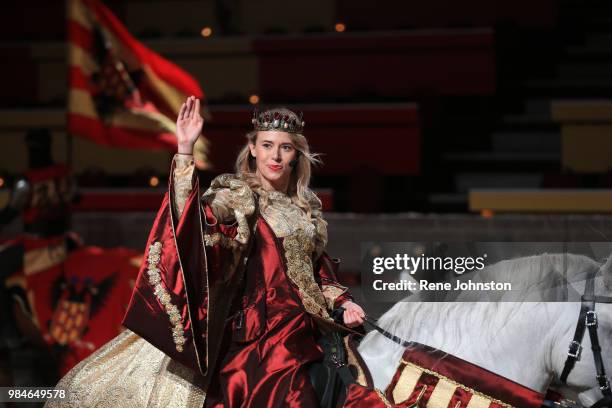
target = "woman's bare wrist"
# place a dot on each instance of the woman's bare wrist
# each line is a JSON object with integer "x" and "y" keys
{"x": 185, "y": 149}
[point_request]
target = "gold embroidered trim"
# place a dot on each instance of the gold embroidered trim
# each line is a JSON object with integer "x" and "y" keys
{"x": 282, "y": 215}
{"x": 318, "y": 221}
{"x": 331, "y": 293}
{"x": 298, "y": 248}
{"x": 352, "y": 361}
{"x": 383, "y": 398}
{"x": 164, "y": 297}
{"x": 421, "y": 393}
{"x": 455, "y": 383}
{"x": 224, "y": 240}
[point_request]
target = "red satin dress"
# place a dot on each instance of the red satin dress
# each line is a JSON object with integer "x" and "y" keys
{"x": 267, "y": 367}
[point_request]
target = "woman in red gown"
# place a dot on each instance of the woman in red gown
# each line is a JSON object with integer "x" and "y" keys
{"x": 266, "y": 364}
{"x": 236, "y": 286}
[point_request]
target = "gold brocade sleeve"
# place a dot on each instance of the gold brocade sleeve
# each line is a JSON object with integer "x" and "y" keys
{"x": 333, "y": 293}
{"x": 220, "y": 202}
{"x": 317, "y": 220}
{"x": 183, "y": 181}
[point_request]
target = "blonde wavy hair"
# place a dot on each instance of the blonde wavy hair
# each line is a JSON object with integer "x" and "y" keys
{"x": 299, "y": 191}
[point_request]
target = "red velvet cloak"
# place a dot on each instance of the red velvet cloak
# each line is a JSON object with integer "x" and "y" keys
{"x": 194, "y": 267}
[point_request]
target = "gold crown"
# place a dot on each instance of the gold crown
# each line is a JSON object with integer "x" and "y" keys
{"x": 278, "y": 120}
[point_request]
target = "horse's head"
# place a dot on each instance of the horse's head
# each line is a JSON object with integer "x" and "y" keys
{"x": 581, "y": 382}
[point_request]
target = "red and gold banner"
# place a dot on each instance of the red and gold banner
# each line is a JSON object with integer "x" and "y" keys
{"x": 75, "y": 300}
{"x": 121, "y": 93}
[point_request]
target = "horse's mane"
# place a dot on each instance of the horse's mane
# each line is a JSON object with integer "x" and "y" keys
{"x": 534, "y": 278}
{"x": 541, "y": 271}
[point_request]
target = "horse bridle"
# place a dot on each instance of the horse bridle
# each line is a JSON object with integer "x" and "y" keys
{"x": 587, "y": 320}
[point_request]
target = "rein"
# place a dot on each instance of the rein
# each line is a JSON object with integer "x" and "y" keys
{"x": 392, "y": 337}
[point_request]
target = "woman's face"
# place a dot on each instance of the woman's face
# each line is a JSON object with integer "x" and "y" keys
{"x": 273, "y": 151}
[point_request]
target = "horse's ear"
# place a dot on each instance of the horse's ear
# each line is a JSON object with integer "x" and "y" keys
{"x": 606, "y": 268}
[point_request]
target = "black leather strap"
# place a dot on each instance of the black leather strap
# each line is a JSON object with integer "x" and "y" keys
{"x": 575, "y": 347}
{"x": 597, "y": 299}
{"x": 392, "y": 337}
{"x": 602, "y": 380}
{"x": 589, "y": 299}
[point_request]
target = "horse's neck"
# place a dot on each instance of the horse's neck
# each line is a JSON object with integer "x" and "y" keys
{"x": 516, "y": 347}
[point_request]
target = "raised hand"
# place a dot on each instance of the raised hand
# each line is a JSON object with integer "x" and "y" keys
{"x": 189, "y": 125}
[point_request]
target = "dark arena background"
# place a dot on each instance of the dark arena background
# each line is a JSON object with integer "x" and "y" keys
{"x": 439, "y": 120}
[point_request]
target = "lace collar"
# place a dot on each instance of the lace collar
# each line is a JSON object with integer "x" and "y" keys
{"x": 274, "y": 196}
{"x": 278, "y": 196}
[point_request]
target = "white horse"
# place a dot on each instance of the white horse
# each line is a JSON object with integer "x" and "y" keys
{"x": 526, "y": 342}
